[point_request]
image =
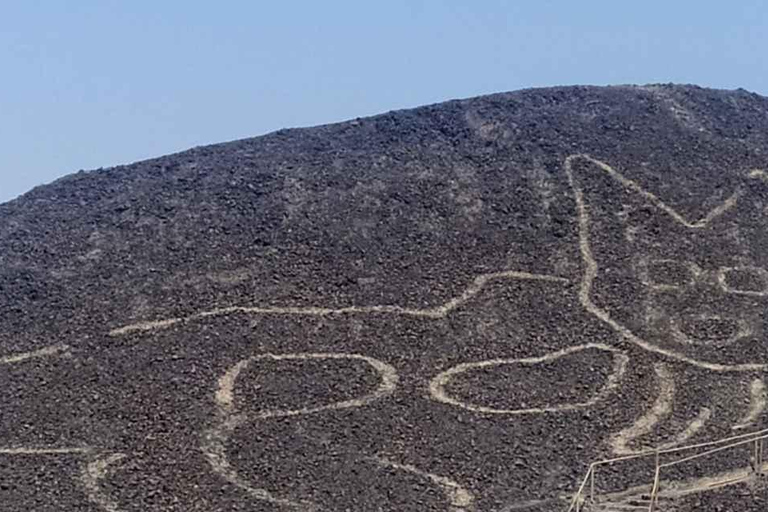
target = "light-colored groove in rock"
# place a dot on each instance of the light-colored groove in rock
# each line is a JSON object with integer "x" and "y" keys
{"x": 215, "y": 440}
{"x": 591, "y": 267}
{"x": 435, "y": 312}
{"x": 459, "y": 498}
{"x": 438, "y": 392}
{"x": 52, "y": 350}
{"x": 756, "y": 406}
{"x": 92, "y": 475}
{"x": 644, "y": 425}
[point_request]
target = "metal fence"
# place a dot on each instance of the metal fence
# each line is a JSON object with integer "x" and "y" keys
{"x": 585, "y": 495}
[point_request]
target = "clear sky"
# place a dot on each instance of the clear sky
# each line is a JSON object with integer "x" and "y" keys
{"x": 95, "y": 83}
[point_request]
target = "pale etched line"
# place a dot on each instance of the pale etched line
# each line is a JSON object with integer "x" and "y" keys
{"x": 214, "y": 448}
{"x": 225, "y": 391}
{"x": 756, "y": 406}
{"x": 590, "y": 274}
{"x": 387, "y": 374}
{"x": 719, "y": 210}
{"x": 722, "y": 280}
{"x": 686, "y": 487}
{"x": 92, "y": 475}
{"x": 691, "y": 430}
{"x": 653, "y": 199}
{"x": 694, "y": 271}
{"x": 216, "y": 439}
{"x": 45, "y": 451}
{"x": 438, "y": 392}
{"x": 759, "y": 174}
{"x": 148, "y": 326}
{"x": 677, "y": 333}
{"x": 678, "y": 488}
{"x": 35, "y": 354}
{"x": 662, "y": 406}
{"x": 459, "y": 498}
{"x": 435, "y": 312}
{"x": 527, "y": 504}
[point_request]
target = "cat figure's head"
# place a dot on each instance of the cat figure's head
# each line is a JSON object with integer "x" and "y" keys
{"x": 688, "y": 284}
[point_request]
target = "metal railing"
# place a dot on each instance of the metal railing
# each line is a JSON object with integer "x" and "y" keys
{"x": 580, "y": 498}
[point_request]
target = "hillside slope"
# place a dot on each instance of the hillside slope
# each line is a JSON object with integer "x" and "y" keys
{"x": 456, "y": 307}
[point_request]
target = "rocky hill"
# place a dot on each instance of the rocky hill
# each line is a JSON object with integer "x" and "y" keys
{"x": 454, "y": 308}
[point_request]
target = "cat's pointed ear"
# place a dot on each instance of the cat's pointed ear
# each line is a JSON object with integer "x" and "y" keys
{"x": 613, "y": 212}
{"x": 601, "y": 187}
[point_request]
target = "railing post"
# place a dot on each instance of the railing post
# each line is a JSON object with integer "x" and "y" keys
{"x": 755, "y": 462}
{"x": 654, "y": 490}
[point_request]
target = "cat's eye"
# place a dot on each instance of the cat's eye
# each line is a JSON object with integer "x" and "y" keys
{"x": 665, "y": 274}
{"x": 744, "y": 280}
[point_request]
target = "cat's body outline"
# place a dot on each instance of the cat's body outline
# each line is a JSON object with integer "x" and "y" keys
{"x": 590, "y": 271}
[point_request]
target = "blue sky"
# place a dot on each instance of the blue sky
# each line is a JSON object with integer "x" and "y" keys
{"x": 89, "y": 84}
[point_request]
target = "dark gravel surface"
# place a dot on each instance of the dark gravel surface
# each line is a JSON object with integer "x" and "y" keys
{"x": 317, "y": 397}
